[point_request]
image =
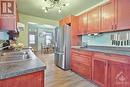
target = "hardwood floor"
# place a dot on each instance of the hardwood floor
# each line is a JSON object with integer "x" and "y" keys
{"x": 56, "y": 77}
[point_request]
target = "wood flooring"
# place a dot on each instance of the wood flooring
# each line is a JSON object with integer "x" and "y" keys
{"x": 56, "y": 77}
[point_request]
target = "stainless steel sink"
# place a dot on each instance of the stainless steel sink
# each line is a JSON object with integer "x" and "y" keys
{"x": 14, "y": 57}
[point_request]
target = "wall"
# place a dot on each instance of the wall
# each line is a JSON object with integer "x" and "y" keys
{"x": 23, "y": 37}
{"x": 101, "y": 40}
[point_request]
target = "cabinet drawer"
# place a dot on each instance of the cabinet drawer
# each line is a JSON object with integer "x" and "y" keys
{"x": 85, "y": 71}
{"x": 86, "y": 60}
{"x": 82, "y": 69}
{"x": 75, "y": 66}
{"x": 81, "y": 52}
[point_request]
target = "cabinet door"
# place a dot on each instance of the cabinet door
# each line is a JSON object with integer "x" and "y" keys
{"x": 122, "y": 14}
{"x": 61, "y": 22}
{"x": 74, "y": 31}
{"x": 94, "y": 20}
{"x": 99, "y": 71}
{"x": 107, "y": 17}
{"x": 83, "y": 24}
{"x": 119, "y": 75}
{"x": 15, "y": 82}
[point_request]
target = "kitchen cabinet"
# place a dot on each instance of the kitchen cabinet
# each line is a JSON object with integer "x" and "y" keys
{"x": 115, "y": 15}
{"x": 107, "y": 17}
{"x": 99, "y": 71}
{"x": 83, "y": 24}
{"x": 119, "y": 74}
{"x": 122, "y": 9}
{"x": 74, "y": 22}
{"x": 81, "y": 63}
{"x": 8, "y": 16}
{"x": 74, "y": 31}
{"x": 35, "y": 79}
{"x": 94, "y": 20}
{"x": 66, "y": 20}
{"x": 61, "y": 22}
{"x": 106, "y": 70}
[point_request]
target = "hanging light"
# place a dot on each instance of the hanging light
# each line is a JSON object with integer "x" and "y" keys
{"x": 45, "y": 10}
{"x": 59, "y": 10}
{"x": 54, "y": 3}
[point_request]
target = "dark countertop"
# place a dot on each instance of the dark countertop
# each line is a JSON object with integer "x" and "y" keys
{"x": 8, "y": 70}
{"x": 106, "y": 49}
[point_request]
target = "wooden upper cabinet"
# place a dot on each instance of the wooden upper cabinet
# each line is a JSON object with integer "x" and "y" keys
{"x": 99, "y": 71}
{"x": 119, "y": 75}
{"x": 107, "y": 17}
{"x": 75, "y": 40}
{"x": 61, "y": 22}
{"x": 122, "y": 14}
{"x": 94, "y": 20}
{"x": 66, "y": 20}
{"x": 83, "y": 24}
{"x": 8, "y": 15}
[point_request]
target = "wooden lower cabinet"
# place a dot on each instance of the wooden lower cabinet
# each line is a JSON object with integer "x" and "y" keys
{"x": 81, "y": 69}
{"x": 85, "y": 71}
{"x": 81, "y": 64}
{"x": 119, "y": 74}
{"x": 99, "y": 71}
{"x": 29, "y": 80}
{"x": 106, "y": 70}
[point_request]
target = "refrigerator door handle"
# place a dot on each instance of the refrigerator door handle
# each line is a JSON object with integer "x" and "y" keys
{"x": 59, "y": 53}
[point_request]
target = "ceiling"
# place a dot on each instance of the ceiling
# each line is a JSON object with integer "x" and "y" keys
{"x": 34, "y": 8}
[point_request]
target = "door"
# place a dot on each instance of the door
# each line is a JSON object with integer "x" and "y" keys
{"x": 99, "y": 71}
{"x": 67, "y": 45}
{"x": 119, "y": 75}
{"x": 122, "y": 14}
{"x": 33, "y": 39}
{"x": 94, "y": 20}
{"x": 107, "y": 16}
{"x": 58, "y": 45}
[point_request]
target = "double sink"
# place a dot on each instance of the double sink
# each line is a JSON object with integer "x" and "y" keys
{"x": 11, "y": 57}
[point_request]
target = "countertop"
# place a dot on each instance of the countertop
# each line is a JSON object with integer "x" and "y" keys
{"x": 106, "y": 49}
{"x": 8, "y": 70}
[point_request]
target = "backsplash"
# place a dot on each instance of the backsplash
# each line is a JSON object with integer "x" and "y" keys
{"x": 119, "y": 39}
{"x": 4, "y": 36}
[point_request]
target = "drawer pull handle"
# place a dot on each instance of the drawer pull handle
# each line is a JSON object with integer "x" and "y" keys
{"x": 107, "y": 54}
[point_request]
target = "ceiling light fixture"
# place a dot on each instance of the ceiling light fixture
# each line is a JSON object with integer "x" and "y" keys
{"x": 54, "y": 3}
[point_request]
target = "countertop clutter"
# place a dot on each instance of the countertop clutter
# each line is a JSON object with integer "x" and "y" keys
{"x": 13, "y": 69}
{"x": 105, "y": 49}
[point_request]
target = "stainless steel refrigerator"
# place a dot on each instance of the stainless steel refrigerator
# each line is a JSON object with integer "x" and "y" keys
{"x": 62, "y": 37}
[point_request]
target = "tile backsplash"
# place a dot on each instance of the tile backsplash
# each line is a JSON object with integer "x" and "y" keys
{"x": 119, "y": 39}
{"x": 4, "y": 36}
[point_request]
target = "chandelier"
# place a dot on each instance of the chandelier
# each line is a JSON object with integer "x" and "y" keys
{"x": 50, "y": 4}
